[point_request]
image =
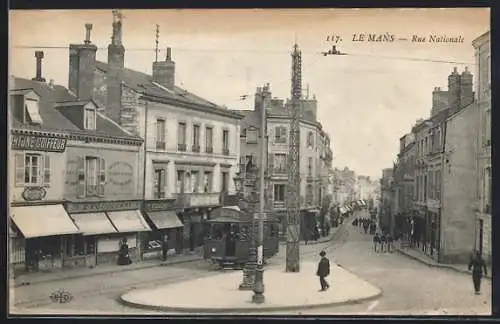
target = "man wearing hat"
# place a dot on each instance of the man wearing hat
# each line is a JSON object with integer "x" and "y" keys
{"x": 323, "y": 271}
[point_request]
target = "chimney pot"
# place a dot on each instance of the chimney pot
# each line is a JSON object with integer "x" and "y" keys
{"x": 169, "y": 54}
{"x": 51, "y": 83}
{"x": 88, "y": 29}
{"x": 39, "y": 56}
{"x": 455, "y": 70}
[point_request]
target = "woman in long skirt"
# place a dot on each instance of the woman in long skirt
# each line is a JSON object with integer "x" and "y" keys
{"x": 478, "y": 265}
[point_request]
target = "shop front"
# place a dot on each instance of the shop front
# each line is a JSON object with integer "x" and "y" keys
{"x": 105, "y": 225}
{"x": 162, "y": 218}
{"x": 46, "y": 230}
{"x": 194, "y": 229}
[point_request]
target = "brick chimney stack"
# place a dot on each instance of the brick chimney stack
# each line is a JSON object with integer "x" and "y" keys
{"x": 454, "y": 91}
{"x": 439, "y": 100}
{"x": 39, "y": 58}
{"x": 82, "y": 67}
{"x": 164, "y": 71}
{"x": 116, "y": 64}
{"x": 466, "y": 90}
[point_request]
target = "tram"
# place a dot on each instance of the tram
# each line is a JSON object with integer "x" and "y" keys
{"x": 228, "y": 240}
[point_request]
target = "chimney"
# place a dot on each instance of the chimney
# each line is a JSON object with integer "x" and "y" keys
{"x": 116, "y": 50}
{"x": 439, "y": 100}
{"x": 466, "y": 92}
{"x": 39, "y": 58}
{"x": 454, "y": 91}
{"x": 116, "y": 63}
{"x": 51, "y": 83}
{"x": 164, "y": 71}
{"x": 82, "y": 67}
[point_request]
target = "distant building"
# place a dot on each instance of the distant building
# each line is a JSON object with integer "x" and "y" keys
{"x": 482, "y": 50}
{"x": 315, "y": 153}
{"x": 386, "y": 217}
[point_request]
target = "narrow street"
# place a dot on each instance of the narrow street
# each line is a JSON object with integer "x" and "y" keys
{"x": 408, "y": 286}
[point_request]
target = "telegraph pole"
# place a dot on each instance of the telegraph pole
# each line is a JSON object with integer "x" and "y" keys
{"x": 293, "y": 194}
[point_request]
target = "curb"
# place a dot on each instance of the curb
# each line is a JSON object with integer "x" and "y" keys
{"x": 435, "y": 265}
{"x": 244, "y": 310}
{"x": 106, "y": 272}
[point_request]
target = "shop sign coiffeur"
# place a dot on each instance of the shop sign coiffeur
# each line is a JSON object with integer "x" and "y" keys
{"x": 38, "y": 143}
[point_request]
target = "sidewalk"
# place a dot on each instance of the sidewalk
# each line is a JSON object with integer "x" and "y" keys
{"x": 420, "y": 256}
{"x": 322, "y": 239}
{"x": 42, "y": 277}
{"x": 283, "y": 292}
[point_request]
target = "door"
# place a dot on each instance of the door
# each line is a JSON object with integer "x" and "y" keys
{"x": 481, "y": 234}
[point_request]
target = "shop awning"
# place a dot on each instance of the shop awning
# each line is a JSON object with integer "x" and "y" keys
{"x": 165, "y": 219}
{"x": 93, "y": 223}
{"x": 232, "y": 208}
{"x": 43, "y": 220}
{"x": 129, "y": 221}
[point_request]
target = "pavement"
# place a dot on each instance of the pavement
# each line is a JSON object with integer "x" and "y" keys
{"x": 222, "y": 294}
{"x": 420, "y": 256}
{"x": 32, "y": 278}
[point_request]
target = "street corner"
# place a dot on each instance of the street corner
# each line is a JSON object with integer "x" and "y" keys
{"x": 283, "y": 292}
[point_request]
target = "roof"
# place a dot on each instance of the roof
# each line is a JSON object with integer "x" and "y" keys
{"x": 54, "y": 120}
{"x": 143, "y": 83}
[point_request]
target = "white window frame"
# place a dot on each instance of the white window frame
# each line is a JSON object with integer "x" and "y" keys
{"x": 28, "y": 168}
{"x": 161, "y": 131}
{"x": 90, "y": 122}
{"x": 32, "y": 108}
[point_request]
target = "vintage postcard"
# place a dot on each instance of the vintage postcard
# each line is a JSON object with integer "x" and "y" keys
{"x": 252, "y": 162}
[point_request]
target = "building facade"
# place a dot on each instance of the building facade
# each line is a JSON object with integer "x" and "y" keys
{"x": 386, "y": 221}
{"x": 75, "y": 185}
{"x": 191, "y": 150}
{"x": 482, "y": 50}
{"x": 458, "y": 195}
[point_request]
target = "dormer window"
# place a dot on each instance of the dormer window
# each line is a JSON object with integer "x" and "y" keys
{"x": 32, "y": 111}
{"x": 90, "y": 118}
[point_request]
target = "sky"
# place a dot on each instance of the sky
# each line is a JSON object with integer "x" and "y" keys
{"x": 367, "y": 100}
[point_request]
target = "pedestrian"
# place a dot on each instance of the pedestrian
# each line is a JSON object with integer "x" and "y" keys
{"x": 478, "y": 265}
{"x": 383, "y": 241}
{"x": 323, "y": 271}
{"x": 164, "y": 248}
{"x": 390, "y": 242}
{"x": 123, "y": 256}
{"x": 376, "y": 241}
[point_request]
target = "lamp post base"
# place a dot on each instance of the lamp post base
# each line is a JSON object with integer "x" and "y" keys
{"x": 258, "y": 296}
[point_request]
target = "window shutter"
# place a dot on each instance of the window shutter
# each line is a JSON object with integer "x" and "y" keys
{"x": 270, "y": 160}
{"x": 46, "y": 170}
{"x": 81, "y": 177}
{"x": 102, "y": 176}
{"x": 19, "y": 162}
{"x": 163, "y": 181}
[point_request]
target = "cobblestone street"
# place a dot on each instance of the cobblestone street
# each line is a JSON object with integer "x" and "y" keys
{"x": 408, "y": 286}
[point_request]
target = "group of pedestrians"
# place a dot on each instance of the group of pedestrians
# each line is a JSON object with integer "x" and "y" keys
{"x": 383, "y": 242}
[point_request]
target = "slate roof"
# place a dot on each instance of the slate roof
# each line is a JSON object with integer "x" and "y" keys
{"x": 143, "y": 83}
{"x": 54, "y": 120}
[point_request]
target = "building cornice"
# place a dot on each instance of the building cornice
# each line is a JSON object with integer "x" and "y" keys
{"x": 196, "y": 107}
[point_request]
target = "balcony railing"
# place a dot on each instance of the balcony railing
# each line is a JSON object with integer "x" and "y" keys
{"x": 209, "y": 149}
{"x": 181, "y": 147}
{"x": 225, "y": 151}
{"x": 198, "y": 199}
{"x": 160, "y": 145}
{"x": 196, "y": 148}
{"x": 279, "y": 170}
{"x": 280, "y": 140}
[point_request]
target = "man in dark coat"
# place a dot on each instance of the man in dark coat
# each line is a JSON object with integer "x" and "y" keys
{"x": 323, "y": 271}
{"x": 164, "y": 248}
{"x": 478, "y": 265}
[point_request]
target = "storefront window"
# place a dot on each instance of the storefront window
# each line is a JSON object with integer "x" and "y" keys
{"x": 80, "y": 245}
{"x": 49, "y": 247}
